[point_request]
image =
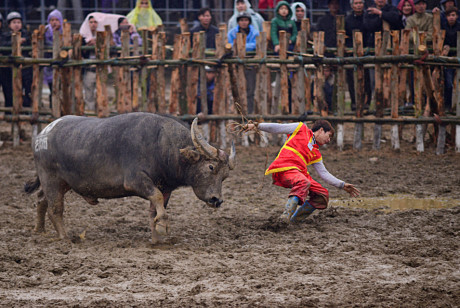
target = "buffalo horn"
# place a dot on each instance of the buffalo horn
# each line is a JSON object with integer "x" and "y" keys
{"x": 231, "y": 158}
{"x": 200, "y": 143}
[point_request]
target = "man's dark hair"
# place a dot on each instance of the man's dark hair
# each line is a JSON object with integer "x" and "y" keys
{"x": 203, "y": 10}
{"x": 452, "y": 9}
{"x": 237, "y": 1}
{"x": 91, "y": 17}
{"x": 325, "y": 125}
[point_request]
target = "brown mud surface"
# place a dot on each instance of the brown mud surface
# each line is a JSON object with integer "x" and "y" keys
{"x": 240, "y": 255}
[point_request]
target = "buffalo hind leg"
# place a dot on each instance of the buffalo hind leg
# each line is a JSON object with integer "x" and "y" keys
{"x": 56, "y": 209}
{"x": 42, "y": 207}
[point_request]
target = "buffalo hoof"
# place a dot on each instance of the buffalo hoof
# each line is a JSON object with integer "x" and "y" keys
{"x": 162, "y": 227}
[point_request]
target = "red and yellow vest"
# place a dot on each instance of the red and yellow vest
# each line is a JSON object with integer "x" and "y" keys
{"x": 295, "y": 153}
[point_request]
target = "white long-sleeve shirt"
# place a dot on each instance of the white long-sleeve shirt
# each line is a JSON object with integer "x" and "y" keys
{"x": 289, "y": 128}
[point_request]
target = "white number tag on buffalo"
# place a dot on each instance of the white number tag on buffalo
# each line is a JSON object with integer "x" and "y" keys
{"x": 41, "y": 143}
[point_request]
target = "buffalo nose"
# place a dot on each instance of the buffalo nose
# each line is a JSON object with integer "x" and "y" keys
{"x": 216, "y": 202}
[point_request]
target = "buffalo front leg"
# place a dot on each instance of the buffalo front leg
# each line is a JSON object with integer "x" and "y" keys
{"x": 42, "y": 206}
{"x": 158, "y": 218}
{"x": 56, "y": 210}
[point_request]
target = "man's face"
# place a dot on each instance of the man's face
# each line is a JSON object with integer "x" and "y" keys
{"x": 283, "y": 11}
{"x": 55, "y": 23}
{"x": 205, "y": 19}
{"x": 420, "y": 7}
{"x": 241, "y": 6}
{"x": 243, "y": 23}
{"x": 452, "y": 18}
{"x": 299, "y": 13}
{"x": 323, "y": 137}
{"x": 358, "y": 7}
{"x": 15, "y": 25}
{"x": 93, "y": 24}
{"x": 380, "y": 3}
{"x": 333, "y": 7}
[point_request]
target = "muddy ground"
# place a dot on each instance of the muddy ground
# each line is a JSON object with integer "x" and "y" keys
{"x": 239, "y": 255}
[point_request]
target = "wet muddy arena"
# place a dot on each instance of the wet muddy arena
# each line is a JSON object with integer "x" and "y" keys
{"x": 356, "y": 253}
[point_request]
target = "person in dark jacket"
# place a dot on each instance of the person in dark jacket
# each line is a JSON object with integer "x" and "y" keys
{"x": 205, "y": 18}
{"x": 374, "y": 17}
{"x": 327, "y": 24}
{"x": 355, "y": 21}
{"x": 452, "y": 26}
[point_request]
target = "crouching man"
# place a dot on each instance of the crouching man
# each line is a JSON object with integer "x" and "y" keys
{"x": 289, "y": 169}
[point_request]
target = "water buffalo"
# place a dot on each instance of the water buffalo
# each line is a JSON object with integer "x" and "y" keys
{"x": 135, "y": 154}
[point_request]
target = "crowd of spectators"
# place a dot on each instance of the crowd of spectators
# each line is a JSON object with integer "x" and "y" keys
{"x": 366, "y": 16}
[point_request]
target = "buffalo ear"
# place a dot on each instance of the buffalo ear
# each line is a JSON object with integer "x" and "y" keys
{"x": 191, "y": 155}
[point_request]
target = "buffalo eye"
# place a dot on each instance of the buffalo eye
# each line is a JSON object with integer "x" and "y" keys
{"x": 211, "y": 167}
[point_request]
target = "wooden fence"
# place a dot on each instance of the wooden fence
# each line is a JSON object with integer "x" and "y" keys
{"x": 150, "y": 65}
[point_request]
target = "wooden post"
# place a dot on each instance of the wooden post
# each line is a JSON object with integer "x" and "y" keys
{"x": 41, "y": 54}
{"x": 220, "y": 96}
{"x": 193, "y": 74}
{"x": 358, "y": 76}
{"x": 101, "y": 77}
{"x": 261, "y": 95}
{"x": 184, "y": 54}
{"x": 418, "y": 82}
{"x": 240, "y": 68}
{"x": 183, "y": 25}
{"x": 55, "y": 97}
{"x": 456, "y": 99}
{"x": 144, "y": 73}
{"x": 161, "y": 93}
{"x": 284, "y": 73}
{"x": 404, "y": 49}
{"x": 17, "y": 87}
{"x": 135, "y": 76}
{"x": 298, "y": 79}
{"x": 121, "y": 81}
{"x": 340, "y": 88}
{"x": 307, "y": 74}
{"x": 66, "y": 104}
{"x": 394, "y": 96}
{"x": 36, "y": 77}
{"x": 77, "y": 75}
{"x": 152, "y": 102}
{"x": 202, "y": 71}
{"x": 380, "y": 48}
{"x": 175, "y": 78}
{"x": 320, "y": 101}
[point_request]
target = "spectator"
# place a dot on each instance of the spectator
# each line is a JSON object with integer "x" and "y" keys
{"x": 244, "y": 6}
{"x": 300, "y": 12}
{"x": 123, "y": 24}
{"x": 14, "y": 21}
{"x": 406, "y": 9}
{"x": 283, "y": 22}
{"x": 210, "y": 84}
{"x": 374, "y": 17}
{"x": 355, "y": 21}
{"x": 445, "y": 4}
{"x": 205, "y": 18}
{"x": 245, "y": 26}
{"x": 452, "y": 27}
{"x": 55, "y": 23}
{"x": 144, "y": 16}
{"x": 327, "y": 24}
{"x": 421, "y": 19}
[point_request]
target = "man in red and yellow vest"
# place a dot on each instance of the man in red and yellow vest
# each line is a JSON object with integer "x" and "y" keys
{"x": 289, "y": 169}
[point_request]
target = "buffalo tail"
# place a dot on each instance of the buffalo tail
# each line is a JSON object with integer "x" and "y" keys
{"x": 32, "y": 185}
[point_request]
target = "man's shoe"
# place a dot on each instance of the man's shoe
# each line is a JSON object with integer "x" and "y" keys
{"x": 290, "y": 208}
{"x": 302, "y": 212}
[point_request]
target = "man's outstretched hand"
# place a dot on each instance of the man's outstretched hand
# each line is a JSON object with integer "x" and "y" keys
{"x": 351, "y": 189}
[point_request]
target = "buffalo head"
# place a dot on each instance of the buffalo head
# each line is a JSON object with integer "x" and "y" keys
{"x": 208, "y": 167}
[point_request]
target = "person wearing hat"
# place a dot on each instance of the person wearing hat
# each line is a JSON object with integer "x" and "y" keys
{"x": 251, "y": 33}
{"x": 14, "y": 22}
{"x": 421, "y": 19}
{"x": 300, "y": 12}
{"x": 244, "y": 6}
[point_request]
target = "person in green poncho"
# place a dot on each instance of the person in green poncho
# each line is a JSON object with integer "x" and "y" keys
{"x": 144, "y": 16}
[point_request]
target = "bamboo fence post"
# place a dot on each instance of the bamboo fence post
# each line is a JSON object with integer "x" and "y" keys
{"x": 418, "y": 93}
{"x": 219, "y": 103}
{"x": 358, "y": 76}
{"x": 101, "y": 77}
{"x": 66, "y": 104}
{"x": 17, "y": 87}
{"x": 175, "y": 78}
{"x": 305, "y": 25}
{"x": 380, "y": 48}
{"x": 240, "y": 68}
{"x": 298, "y": 80}
{"x": 193, "y": 74}
{"x": 152, "y": 102}
{"x": 35, "y": 85}
{"x": 135, "y": 76}
{"x": 183, "y": 25}
{"x": 202, "y": 74}
{"x": 457, "y": 99}
{"x": 394, "y": 96}
{"x": 260, "y": 98}
{"x": 284, "y": 82}
{"x": 77, "y": 75}
{"x": 161, "y": 92}
{"x": 340, "y": 88}
{"x": 184, "y": 54}
{"x": 121, "y": 82}
{"x": 55, "y": 97}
